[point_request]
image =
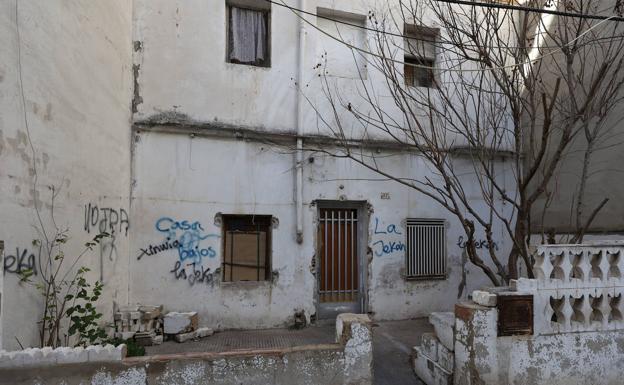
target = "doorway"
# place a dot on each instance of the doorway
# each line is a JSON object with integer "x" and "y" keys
{"x": 340, "y": 274}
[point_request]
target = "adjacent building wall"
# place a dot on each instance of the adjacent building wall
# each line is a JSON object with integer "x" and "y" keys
{"x": 65, "y": 83}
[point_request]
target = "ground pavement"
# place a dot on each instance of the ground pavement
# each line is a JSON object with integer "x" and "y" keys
{"x": 392, "y": 345}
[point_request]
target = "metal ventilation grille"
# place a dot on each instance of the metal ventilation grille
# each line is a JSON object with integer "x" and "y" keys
{"x": 425, "y": 257}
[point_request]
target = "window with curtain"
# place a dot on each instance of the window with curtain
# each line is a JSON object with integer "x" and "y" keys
{"x": 420, "y": 53}
{"x": 248, "y": 36}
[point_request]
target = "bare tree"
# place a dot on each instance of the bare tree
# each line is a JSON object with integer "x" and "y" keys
{"x": 509, "y": 92}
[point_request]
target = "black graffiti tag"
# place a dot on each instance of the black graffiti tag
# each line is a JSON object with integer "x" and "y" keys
{"x": 21, "y": 262}
{"x": 195, "y": 275}
{"x": 105, "y": 219}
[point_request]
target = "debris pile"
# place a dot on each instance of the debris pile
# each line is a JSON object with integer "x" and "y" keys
{"x": 183, "y": 327}
{"x": 143, "y": 323}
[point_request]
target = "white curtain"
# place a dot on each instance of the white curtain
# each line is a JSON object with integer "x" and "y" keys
{"x": 248, "y": 31}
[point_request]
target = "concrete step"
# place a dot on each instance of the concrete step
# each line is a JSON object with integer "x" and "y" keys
{"x": 429, "y": 371}
{"x": 444, "y": 326}
{"x": 432, "y": 348}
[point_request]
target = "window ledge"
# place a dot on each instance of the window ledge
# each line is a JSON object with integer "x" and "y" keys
{"x": 245, "y": 284}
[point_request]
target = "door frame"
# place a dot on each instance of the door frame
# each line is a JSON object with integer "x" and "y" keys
{"x": 333, "y": 309}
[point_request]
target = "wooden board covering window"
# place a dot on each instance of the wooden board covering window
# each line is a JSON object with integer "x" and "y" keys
{"x": 246, "y": 251}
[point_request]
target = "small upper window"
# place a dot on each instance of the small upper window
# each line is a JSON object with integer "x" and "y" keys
{"x": 246, "y": 248}
{"x": 248, "y": 36}
{"x": 420, "y": 56}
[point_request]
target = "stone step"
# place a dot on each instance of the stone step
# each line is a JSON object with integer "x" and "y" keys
{"x": 444, "y": 325}
{"x": 429, "y": 371}
{"x": 432, "y": 348}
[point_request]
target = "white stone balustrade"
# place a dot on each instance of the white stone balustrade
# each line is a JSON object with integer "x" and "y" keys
{"x": 577, "y": 287}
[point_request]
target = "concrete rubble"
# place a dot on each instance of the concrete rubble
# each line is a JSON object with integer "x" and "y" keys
{"x": 143, "y": 323}
{"x": 183, "y": 327}
{"x": 177, "y": 323}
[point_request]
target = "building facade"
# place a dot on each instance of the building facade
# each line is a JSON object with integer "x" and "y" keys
{"x": 201, "y": 155}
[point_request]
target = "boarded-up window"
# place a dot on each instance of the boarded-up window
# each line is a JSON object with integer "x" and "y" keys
{"x": 246, "y": 248}
{"x": 420, "y": 56}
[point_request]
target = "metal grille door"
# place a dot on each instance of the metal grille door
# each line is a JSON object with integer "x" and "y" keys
{"x": 426, "y": 249}
{"x": 339, "y": 258}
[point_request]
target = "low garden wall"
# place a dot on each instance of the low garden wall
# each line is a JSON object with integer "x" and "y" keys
{"x": 348, "y": 361}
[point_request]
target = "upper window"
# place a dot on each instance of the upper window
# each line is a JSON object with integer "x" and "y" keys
{"x": 246, "y": 248}
{"x": 340, "y": 32}
{"x": 248, "y": 35}
{"x": 420, "y": 56}
{"x": 425, "y": 256}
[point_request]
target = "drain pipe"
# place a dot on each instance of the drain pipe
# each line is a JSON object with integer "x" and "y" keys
{"x": 300, "y": 100}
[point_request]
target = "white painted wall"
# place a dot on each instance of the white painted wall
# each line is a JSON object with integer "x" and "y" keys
{"x": 75, "y": 69}
{"x": 183, "y": 78}
{"x": 183, "y": 178}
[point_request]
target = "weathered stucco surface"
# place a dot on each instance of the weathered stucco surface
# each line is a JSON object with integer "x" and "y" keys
{"x": 481, "y": 357}
{"x": 348, "y": 362}
{"x": 69, "y": 78}
{"x": 216, "y": 176}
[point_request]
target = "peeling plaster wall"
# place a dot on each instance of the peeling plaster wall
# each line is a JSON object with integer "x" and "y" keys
{"x": 74, "y": 59}
{"x": 183, "y": 178}
{"x": 566, "y": 359}
{"x": 349, "y": 361}
{"x": 182, "y": 79}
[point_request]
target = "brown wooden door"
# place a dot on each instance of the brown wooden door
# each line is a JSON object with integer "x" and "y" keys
{"x": 338, "y": 247}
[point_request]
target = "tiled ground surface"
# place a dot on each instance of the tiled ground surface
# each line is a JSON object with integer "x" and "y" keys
{"x": 392, "y": 345}
{"x": 249, "y": 339}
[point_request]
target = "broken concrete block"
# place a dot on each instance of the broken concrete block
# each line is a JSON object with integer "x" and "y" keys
{"x": 143, "y": 339}
{"x": 444, "y": 326}
{"x": 176, "y": 323}
{"x": 157, "y": 340}
{"x": 199, "y": 333}
{"x": 183, "y": 337}
{"x": 484, "y": 298}
{"x": 524, "y": 284}
{"x": 128, "y": 308}
{"x": 154, "y": 310}
{"x": 204, "y": 332}
{"x": 125, "y": 335}
{"x": 429, "y": 346}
